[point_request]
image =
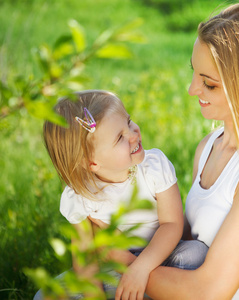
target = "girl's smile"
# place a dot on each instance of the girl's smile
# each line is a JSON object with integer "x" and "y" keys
{"x": 137, "y": 149}
{"x": 117, "y": 144}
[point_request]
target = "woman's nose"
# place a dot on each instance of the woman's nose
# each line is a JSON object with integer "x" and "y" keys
{"x": 195, "y": 87}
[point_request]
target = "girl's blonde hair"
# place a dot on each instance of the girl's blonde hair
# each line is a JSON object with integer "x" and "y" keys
{"x": 71, "y": 148}
{"x": 221, "y": 35}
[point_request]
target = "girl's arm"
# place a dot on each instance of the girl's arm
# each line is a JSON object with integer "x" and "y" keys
{"x": 217, "y": 278}
{"x": 121, "y": 256}
{"x": 133, "y": 282}
{"x": 86, "y": 235}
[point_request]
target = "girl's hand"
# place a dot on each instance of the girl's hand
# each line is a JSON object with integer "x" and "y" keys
{"x": 122, "y": 256}
{"x": 132, "y": 284}
{"x": 98, "y": 222}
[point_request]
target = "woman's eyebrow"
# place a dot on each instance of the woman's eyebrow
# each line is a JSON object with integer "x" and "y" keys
{"x": 201, "y": 74}
{"x": 209, "y": 77}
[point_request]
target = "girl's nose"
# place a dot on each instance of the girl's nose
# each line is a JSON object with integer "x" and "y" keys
{"x": 133, "y": 136}
{"x": 195, "y": 87}
{"x": 134, "y": 133}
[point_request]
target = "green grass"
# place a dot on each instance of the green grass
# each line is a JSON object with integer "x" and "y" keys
{"x": 153, "y": 85}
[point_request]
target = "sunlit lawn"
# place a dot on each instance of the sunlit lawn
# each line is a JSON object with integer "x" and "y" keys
{"x": 153, "y": 85}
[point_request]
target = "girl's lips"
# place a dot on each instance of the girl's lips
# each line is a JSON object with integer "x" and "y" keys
{"x": 139, "y": 149}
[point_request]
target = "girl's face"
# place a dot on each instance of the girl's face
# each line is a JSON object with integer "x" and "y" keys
{"x": 117, "y": 144}
{"x": 207, "y": 84}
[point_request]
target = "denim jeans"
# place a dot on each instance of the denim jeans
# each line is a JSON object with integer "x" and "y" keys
{"x": 187, "y": 255}
{"x": 108, "y": 287}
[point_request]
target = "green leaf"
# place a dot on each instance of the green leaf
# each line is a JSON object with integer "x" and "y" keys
{"x": 104, "y": 37}
{"x": 62, "y": 40}
{"x": 43, "y": 54}
{"x": 78, "y": 35}
{"x": 58, "y": 246}
{"x": 74, "y": 85}
{"x": 43, "y": 280}
{"x": 63, "y": 51}
{"x": 132, "y": 37}
{"x": 114, "y": 51}
{"x": 130, "y": 25}
{"x": 55, "y": 70}
{"x": 43, "y": 110}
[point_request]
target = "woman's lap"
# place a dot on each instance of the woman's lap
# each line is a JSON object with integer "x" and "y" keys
{"x": 187, "y": 255}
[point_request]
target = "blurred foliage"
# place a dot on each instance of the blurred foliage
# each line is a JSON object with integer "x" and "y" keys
{"x": 153, "y": 87}
{"x": 63, "y": 69}
{"x": 185, "y": 15}
{"x": 62, "y": 73}
{"x": 106, "y": 239}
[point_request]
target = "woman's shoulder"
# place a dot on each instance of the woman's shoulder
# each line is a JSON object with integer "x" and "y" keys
{"x": 202, "y": 144}
{"x": 204, "y": 141}
{"x": 201, "y": 147}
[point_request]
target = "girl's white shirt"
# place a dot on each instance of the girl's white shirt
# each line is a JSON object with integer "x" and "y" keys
{"x": 154, "y": 175}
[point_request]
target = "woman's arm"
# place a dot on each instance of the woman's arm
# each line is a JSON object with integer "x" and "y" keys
{"x": 217, "y": 278}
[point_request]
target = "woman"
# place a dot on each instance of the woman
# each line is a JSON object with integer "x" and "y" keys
{"x": 212, "y": 206}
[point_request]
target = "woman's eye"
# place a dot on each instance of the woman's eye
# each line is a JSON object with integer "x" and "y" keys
{"x": 210, "y": 87}
{"x": 129, "y": 122}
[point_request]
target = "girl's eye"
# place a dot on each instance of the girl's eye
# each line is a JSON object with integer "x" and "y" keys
{"x": 120, "y": 137}
{"x": 209, "y": 87}
{"x": 129, "y": 122}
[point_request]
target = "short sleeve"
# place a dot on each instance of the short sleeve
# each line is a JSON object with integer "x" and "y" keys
{"x": 73, "y": 206}
{"x": 159, "y": 172}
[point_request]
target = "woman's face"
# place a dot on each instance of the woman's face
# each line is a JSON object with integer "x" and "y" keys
{"x": 207, "y": 84}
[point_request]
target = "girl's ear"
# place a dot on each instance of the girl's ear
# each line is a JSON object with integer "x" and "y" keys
{"x": 94, "y": 167}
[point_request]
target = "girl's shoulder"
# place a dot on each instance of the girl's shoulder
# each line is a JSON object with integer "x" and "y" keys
{"x": 158, "y": 170}
{"x": 154, "y": 158}
{"x": 73, "y": 206}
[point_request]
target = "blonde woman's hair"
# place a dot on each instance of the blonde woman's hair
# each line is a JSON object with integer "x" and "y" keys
{"x": 221, "y": 35}
{"x": 71, "y": 148}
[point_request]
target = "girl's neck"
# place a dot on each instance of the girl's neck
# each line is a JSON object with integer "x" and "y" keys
{"x": 115, "y": 178}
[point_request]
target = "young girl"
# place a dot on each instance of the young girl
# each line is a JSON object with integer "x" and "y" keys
{"x": 99, "y": 157}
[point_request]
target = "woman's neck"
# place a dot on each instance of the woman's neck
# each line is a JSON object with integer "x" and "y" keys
{"x": 229, "y": 138}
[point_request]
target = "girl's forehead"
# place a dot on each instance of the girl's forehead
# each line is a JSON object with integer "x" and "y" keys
{"x": 110, "y": 126}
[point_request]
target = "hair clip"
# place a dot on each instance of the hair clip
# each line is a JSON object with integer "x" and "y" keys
{"x": 89, "y": 124}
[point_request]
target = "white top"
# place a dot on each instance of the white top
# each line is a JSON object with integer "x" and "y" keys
{"x": 154, "y": 175}
{"x": 206, "y": 209}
